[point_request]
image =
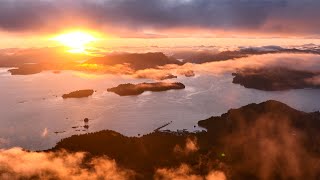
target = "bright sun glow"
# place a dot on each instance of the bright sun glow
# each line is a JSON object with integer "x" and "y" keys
{"x": 77, "y": 41}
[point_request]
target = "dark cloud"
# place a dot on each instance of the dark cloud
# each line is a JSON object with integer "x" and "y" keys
{"x": 261, "y": 16}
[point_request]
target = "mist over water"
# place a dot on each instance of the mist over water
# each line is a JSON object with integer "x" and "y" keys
{"x": 33, "y": 110}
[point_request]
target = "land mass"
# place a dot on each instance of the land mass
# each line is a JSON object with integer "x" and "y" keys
{"x": 269, "y": 140}
{"x": 78, "y": 94}
{"x": 31, "y": 62}
{"x": 135, "y": 60}
{"x": 199, "y": 57}
{"x": 58, "y": 57}
{"x": 275, "y": 79}
{"x": 136, "y": 89}
{"x": 26, "y": 70}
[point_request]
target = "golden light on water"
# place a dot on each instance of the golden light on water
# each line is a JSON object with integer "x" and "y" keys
{"x": 76, "y": 41}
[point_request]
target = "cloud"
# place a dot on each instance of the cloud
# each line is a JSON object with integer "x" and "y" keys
{"x": 185, "y": 172}
{"x": 216, "y": 175}
{"x": 108, "y": 69}
{"x": 274, "y": 147}
{"x": 190, "y": 147}
{"x": 152, "y": 18}
{"x": 182, "y": 172}
{"x": 18, "y": 164}
{"x": 15, "y": 163}
{"x": 294, "y": 61}
{"x": 302, "y": 62}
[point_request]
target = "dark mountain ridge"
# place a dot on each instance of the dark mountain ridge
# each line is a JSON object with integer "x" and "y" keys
{"x": 269, "y": 140}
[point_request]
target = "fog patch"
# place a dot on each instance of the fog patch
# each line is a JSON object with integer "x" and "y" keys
{"x": 273, "y": 149}
{"x": 301, "y": 62}
{"x": 185, "y": 172}
{"x": 16, "y": 163}
{"x": 191, "y": 146}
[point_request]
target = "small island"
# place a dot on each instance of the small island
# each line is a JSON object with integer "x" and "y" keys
{"x": 275, "y": 79}
{"x": 79, "y": 94}
{"x": 136, "y": 89}
{"x": 26, "y": 70}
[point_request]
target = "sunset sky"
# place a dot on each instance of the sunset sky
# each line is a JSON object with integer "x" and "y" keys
{"x": 33, "y": 23}
{"x": 160, "y": 89}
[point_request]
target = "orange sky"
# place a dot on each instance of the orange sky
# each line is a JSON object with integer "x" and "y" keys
{"x": 161, "y": 22}
{"x": 14, "y": 40}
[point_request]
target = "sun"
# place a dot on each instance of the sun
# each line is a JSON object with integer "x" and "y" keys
{"x": 76, "y": 41}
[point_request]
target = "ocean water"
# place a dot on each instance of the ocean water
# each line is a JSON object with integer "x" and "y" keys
{"x": 32, "y": 110}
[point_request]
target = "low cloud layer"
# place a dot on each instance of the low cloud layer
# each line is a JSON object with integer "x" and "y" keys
{"x": 154, "y": 18}
{"x": 302, "y": 62}
{"x": 185, "y": 172}
{"x": 18, "y": 164}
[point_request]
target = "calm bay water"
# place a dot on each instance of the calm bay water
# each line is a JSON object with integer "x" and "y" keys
{"x": 32, "y": 109}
